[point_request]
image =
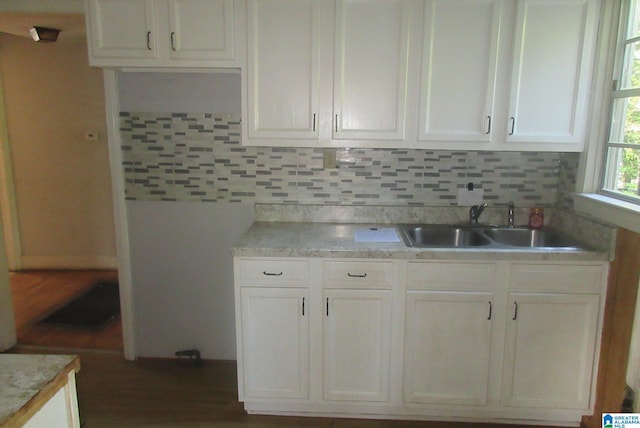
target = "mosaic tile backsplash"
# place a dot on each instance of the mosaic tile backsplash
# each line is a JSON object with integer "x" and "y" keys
{"x": 198, "y": 157}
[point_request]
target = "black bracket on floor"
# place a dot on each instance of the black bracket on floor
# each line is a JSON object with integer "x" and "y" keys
{"x": 193, "y": 354}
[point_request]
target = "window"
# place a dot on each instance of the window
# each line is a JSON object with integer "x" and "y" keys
{"x": 621, "y": 172}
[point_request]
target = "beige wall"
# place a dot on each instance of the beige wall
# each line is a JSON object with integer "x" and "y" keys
{"x": 62, "y": 182}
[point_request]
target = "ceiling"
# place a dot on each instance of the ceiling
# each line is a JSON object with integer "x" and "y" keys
{"x": 18, "y": 23}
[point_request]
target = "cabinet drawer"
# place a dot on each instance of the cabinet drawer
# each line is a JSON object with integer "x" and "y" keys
{"x": 272, "y": 271}
{"x": 450, "y": 276}
{"x": 566, "y": 278}
{"x": 358, "y": 274}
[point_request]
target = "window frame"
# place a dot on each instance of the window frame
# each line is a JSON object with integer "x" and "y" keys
{"x": 609, "y": 170}
{"x": 589, "y": 197}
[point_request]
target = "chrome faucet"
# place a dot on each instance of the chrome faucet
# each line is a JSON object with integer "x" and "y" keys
{"x": 475, "y": 211}
{"x": 511, "y": 215}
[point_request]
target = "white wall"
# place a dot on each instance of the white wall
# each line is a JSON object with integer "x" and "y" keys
{"x": 182, "y": 273}
{"x": 62, "y": 182}
{"x": 183, "y": 276}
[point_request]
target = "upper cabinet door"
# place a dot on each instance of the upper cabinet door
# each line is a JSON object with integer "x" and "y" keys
{"x": 123, "y": 28}
{"x": 551, "y": 73}
{"x": 201, "y": 29}
{"x": 285, "y": 43}
{"x": 371, "y": 69}
{"x": 459, "y": 55}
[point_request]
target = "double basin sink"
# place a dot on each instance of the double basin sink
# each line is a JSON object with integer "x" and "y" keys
{"x": 485, "y": 237}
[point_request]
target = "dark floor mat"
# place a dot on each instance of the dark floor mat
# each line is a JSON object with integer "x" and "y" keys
{"x": 92, "y": 309}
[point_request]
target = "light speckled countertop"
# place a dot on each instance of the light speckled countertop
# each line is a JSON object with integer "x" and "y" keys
{"x": 27, "y": 382}
{"x": 310, "y": 239}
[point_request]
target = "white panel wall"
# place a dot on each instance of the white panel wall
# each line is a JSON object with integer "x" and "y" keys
{"x": 183, "y": 275}
{"x": 182, "y": 272}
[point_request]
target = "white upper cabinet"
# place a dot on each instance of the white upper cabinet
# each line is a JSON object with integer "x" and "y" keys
{"x": 371, "y": 69}
{"x": 341, "y": 75}
{"x": 122, "y": 29}
{"x": 201, "y": 29}
{"x": 164, "y": 33}
{"x": 284, "y": 79}
{"x": 458, "y": 73}
{"x": 551, "y": 73}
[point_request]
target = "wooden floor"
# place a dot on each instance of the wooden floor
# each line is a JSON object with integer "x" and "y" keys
{"x": 36, "y": 294}
{"x": 114, "y": 393}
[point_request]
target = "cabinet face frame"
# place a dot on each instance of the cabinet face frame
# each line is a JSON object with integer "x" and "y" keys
{"x": 576, "y": 282}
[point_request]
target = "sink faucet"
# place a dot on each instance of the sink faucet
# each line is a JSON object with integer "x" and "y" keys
{"x": 475, "y": 211}
{"x": 510, "y": 215}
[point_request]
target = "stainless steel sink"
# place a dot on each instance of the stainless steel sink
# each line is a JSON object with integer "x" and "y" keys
{"x": 442, "y": 236}
{"x": 532, "y": 238}
{"x": 446, "y": 236}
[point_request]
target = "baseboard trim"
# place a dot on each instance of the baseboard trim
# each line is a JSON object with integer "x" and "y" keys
{"x": 69, "y": 262}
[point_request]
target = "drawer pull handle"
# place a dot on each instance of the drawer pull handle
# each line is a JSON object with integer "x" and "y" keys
{"x": 355, "y": 275}
{"x": 490, "y": 310}
{"x": 148, "y": 40}
{"x": 271, "y": 273}
{"x": 303, "y": 306}
{"x": 515, "y": 311}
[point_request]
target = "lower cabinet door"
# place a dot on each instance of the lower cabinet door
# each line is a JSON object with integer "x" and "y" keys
{"x": 549, "y": 350}
{"x": 357, "y": 341}
{"x": 447, "y": 347}
{"x": 275, "y": 342}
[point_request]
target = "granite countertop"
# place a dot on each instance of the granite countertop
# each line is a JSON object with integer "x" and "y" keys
{"x": 27, "y": 382}
{"x": 311, "y": 239}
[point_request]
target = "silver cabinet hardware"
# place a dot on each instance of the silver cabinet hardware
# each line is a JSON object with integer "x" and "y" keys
{"x": 272, "y": 273}
{"x": 356, "y": 275}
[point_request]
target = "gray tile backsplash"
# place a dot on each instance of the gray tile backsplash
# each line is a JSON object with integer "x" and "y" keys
{"x": 198, "y": 157}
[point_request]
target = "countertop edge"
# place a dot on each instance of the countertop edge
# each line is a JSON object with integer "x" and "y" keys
{"x": 35, "y": 403}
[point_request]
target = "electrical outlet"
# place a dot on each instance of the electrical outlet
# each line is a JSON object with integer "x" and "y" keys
{"x": 329, "y": 159}
{"x": 467, "y": 198}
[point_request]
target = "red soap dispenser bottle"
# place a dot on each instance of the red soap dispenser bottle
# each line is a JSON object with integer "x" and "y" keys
{"x": 536, "y": 218}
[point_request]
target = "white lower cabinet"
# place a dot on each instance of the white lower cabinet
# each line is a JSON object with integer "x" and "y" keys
{"x": 275, "y": 337}
{"x": 550, "y": 348}
{"x": 357, "y": 340}
{"x": 551, "y": 335}
{"x": 447, "y": 347}
{"x": 493, "y": 341}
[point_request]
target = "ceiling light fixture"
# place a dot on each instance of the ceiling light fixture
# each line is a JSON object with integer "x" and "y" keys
{"x": 43, "y": 34}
